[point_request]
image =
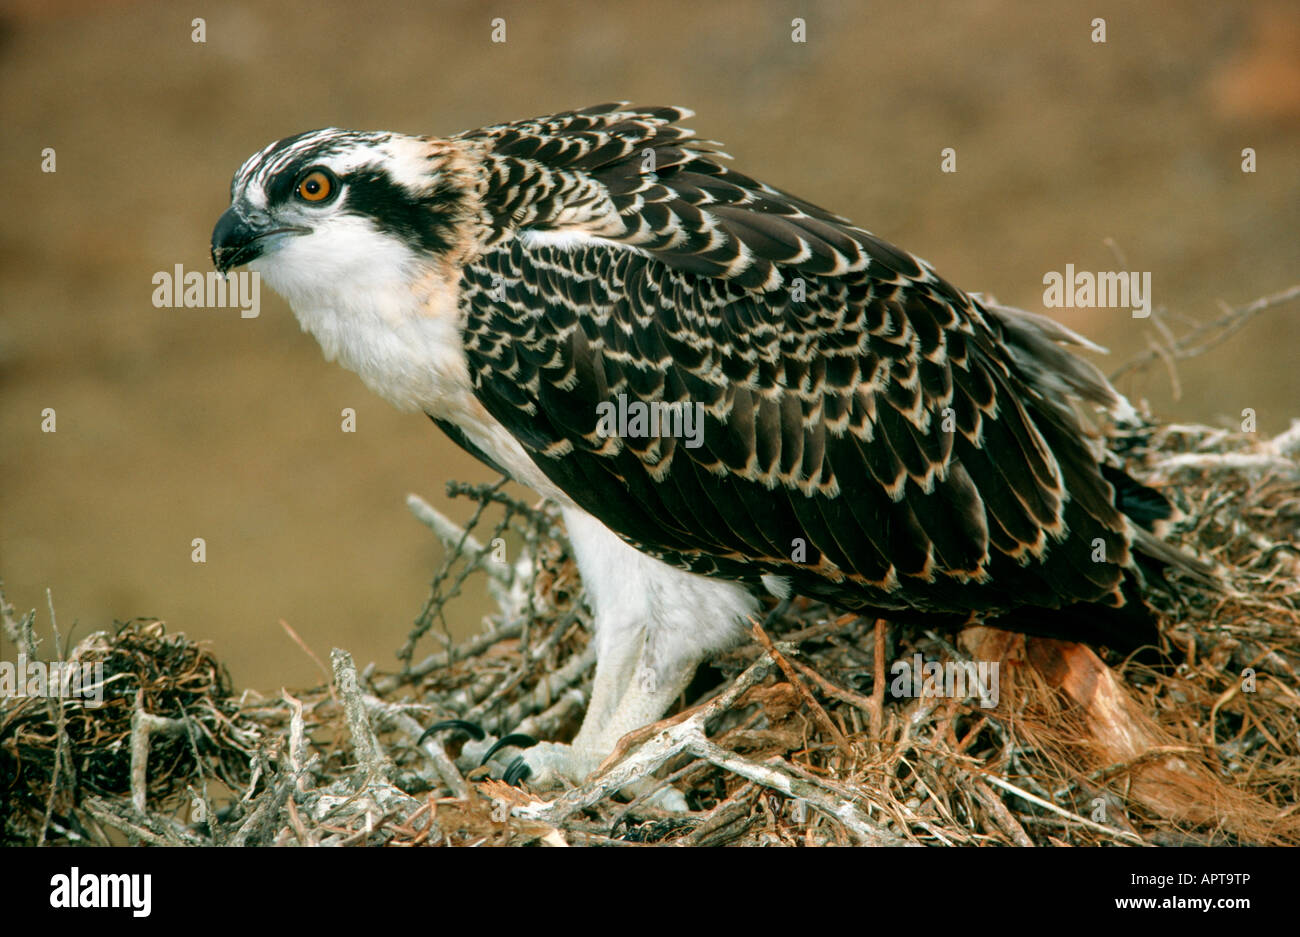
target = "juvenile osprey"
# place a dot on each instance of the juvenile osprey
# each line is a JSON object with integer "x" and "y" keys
{"x": 871, "y": 435}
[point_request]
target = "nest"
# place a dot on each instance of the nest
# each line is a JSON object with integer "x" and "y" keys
{"x": 800, "y": 737}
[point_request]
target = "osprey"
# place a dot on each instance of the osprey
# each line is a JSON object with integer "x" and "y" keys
{"x": 798, "y": 406}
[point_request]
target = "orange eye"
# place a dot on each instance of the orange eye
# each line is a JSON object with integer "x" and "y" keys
{"x": 315, "y": 187}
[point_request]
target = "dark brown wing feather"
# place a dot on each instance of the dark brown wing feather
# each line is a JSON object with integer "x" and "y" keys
{"x": 854, "y": 402}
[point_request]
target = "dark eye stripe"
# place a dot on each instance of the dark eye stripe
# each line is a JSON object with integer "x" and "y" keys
{"x": 426, "y": 221}
{"x": 281, "y": 186}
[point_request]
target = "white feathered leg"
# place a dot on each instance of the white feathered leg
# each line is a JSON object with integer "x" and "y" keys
{"x": 654, "y": 625}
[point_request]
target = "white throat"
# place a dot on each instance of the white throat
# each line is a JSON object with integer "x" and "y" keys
{"x": 394, "y": 320}
{"x": 375, "y": 308}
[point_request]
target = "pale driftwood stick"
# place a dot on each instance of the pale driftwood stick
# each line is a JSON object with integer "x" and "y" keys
{"x": 395, "y": 715}
{"x": 550, "y": 687}
{"x": 266, "y": 813}
{"x": 899, "y": 810}
{"x": 1131, "y": 838}
{"x": 1287, "y": 442}
{"x": 546, "y": 723}
{"x": 714, "y": 825}
{"x": 19, "y": 630}
{"x": 1227, "y": 462}
{"x": 370, "y": 754}
{"x": 255, "y": 772}
{"x": 76, "y": 838}
{"x": 1208, "y": 437}
{"x": 650, "y": 792}
{"x": 541, "y": 724}
{"x": 143, "y": 726}
{"x": 372, "y": 799}
{"x": 1002, "y": 817}
{"x": 155, "y": 830}
{"x": 530, "y": 656}
{"x": 462, "y": 699}
{"x": 373, "y": 788}
{"x": 297, "y": 741}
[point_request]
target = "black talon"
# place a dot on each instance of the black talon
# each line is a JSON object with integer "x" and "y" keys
{"x": 518, "y": 739}
{"x": 517, "y": 771}
{"x": 469, "y": 728}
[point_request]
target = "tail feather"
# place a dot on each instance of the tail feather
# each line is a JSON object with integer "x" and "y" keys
{"x": 1044, "y": 351}
{"x": 1143, "y": 505}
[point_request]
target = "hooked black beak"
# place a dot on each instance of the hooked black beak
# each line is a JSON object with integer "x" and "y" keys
{"x": 235, "y": 241}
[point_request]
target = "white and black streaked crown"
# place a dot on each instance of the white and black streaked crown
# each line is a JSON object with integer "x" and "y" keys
{"x": 391, "y": 179}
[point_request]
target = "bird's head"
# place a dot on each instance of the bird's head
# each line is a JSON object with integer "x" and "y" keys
{"x": 331, "y": 210}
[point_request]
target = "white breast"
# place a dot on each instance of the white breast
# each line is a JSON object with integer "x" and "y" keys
{"x": 385, "y": 314}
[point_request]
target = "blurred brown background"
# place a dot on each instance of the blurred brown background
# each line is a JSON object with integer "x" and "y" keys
{"x": 183, "y": 423}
